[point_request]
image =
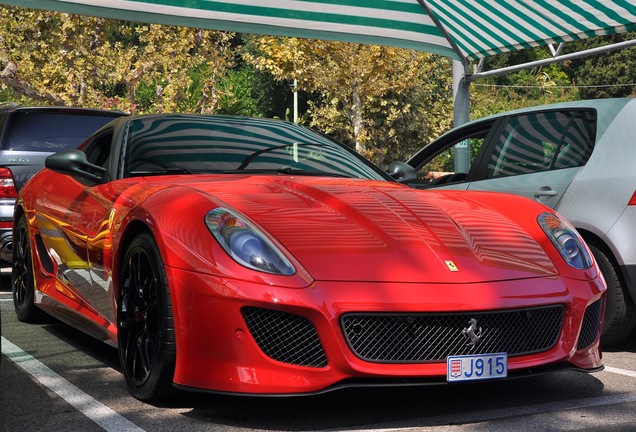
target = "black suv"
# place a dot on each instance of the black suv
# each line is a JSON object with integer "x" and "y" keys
{"x": 27, "y": 136}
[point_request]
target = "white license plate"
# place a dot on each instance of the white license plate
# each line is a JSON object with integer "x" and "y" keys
{"x": 477, "y": 367}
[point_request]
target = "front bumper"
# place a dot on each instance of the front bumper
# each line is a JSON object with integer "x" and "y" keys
{"x": 218, "y": 349}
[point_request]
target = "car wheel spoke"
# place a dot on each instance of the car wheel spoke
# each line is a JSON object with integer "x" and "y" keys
{"x": 21, "y": 266}
{"x": 139, "y": 319}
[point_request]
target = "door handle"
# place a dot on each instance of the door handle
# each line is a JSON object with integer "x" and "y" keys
{"x": 545, "y": 191}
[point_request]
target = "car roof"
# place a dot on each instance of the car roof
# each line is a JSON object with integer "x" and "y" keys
{"x": 195, "y": 116}
{"x": 12, "y": 107}
{"x": 608, "y": 106}
{"x": 586, "y": 103}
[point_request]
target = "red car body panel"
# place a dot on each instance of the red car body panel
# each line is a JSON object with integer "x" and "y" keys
{"x": 241, "y": 366}
{"x": 357, "y": 245}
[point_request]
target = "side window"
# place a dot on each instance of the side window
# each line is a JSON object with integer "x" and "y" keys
{"x": 578, "y": 142}
{"x": 98, "y": 151}
{"x": 3, "y": 120}
{"x": 439, "y": 167}
{"x": 542, "y": 141}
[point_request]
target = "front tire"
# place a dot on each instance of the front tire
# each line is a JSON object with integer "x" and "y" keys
{"x": 22, "y": 278}
{"x": 620, "y": 312}
{"x": 145, "y": 324}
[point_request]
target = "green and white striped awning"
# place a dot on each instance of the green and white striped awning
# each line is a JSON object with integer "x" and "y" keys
{"x": 464, "y": 30}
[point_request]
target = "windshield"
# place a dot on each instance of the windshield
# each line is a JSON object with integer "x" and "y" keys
{"x": 225, "y": 144}
{"x": 47, "y": 131}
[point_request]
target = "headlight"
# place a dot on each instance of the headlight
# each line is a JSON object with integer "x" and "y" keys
{"x": 246, "y": 244}
{"x": 566, "y": 240}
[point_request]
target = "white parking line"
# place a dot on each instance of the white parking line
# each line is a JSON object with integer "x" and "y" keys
{"x": 105, "y": 417}
{"x": 620, "y": 371}
{"x": 111, "y": 421}
{"x": 505, "y": 413}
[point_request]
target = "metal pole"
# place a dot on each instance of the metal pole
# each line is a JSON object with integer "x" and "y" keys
{"x": 555, "y": 59}
{"x": 295, "y": 100}
{"x": 461, "y": 114}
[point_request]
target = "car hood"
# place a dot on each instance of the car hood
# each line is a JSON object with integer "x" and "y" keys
{"x": 361, "y": 230}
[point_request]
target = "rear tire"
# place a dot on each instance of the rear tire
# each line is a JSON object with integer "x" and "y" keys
{"x": 145, "y": 325}
{"x": 620, "y": 312}
{"x": 22, "y": 278}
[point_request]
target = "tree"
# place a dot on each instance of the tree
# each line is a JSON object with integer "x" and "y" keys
{"x": 612, "y": 74}
{"x": 535, "y": 86}
{"x": 365, "y": 95}
{"x": 66, "y": 59}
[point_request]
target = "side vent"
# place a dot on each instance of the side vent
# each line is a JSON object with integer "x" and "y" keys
{"x": 285, "y": 337}
{"x": 43, "y": 256}
{"x": 591, "y": 325}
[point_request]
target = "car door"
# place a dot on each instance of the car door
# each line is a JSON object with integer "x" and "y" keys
{"x": 537, "y": 154}
{"x": 98, "y": 207}
{"x": 534, "y": 154}
{"x": 73, "y": 230}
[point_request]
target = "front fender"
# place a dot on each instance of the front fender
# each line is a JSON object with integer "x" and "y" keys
{"x": 176, "y": 218}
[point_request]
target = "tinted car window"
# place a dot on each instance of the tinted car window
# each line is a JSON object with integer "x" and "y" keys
{"x": 578, "y": 143}
{"x": 542, "y": 141}
{"x": 237, "y": 145}
{"x": 49, "y": 131}
{"x": 3, "y": 119}
{"x": 98, "y": 150}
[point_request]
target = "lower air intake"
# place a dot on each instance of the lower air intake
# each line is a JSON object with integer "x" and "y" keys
{"x": 285, "y": 337}
{"x": 591, "y": 325}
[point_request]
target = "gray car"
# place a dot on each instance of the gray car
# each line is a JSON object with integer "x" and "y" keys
{"x": 578, "y": 158}
{"x": 27, "y": 136}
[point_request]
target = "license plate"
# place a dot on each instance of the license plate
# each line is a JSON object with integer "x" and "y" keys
{"x": 477, "y": 367}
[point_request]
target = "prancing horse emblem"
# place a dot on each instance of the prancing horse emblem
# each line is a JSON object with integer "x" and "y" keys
{"x": 473, "y": 333}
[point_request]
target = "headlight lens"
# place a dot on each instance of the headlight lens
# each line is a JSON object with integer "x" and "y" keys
{"x": 246, "y": 244}
{"x": 566, "y": 240}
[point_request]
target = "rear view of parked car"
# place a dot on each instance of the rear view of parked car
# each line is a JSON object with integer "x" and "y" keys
{"x": 578, "y": 158}
{"x": 27, "y": 136}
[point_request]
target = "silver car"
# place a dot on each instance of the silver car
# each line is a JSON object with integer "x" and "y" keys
{"x": 578, "y": 158}
{"x": 27, "y": 136}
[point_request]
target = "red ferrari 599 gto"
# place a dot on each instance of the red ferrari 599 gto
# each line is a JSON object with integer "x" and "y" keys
{"x": 245, "y": 255}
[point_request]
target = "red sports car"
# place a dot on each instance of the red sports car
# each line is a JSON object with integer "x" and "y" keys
{"x": 245, "y": 255}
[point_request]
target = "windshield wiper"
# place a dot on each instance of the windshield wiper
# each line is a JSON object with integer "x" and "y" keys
{"x": 254, "y": 155}
{"x": 286, "y": 170}
{"x": 163, "y": 171}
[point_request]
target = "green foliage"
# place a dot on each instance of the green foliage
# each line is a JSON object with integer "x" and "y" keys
{"x": 612, "y": 74}
{"x": 235, "y": 93}
{"x": 141, "y": 68}
{"x": 527, "y": 87}
{"x": 384, "y": 102}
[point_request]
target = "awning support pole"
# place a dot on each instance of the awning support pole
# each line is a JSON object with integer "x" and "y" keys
{"x": 461, "y": 114}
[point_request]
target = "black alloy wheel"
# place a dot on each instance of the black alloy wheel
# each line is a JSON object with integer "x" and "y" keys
{"x": 620, "y": 311}
{"x": 22, "y": 279}
{"x": 145, "y": 325}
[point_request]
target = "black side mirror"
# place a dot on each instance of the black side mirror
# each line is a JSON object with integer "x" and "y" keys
{"x": 74, "y": 163}
{"x": 402, "y": 172}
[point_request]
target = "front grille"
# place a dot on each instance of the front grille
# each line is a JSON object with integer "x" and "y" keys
{"x": 591, "y": 325}
{"x": 431, "y": 337}
{"x": 285, "y": 337}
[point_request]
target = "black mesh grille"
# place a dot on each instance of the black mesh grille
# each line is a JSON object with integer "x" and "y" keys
{"x": 591, "y": 325}
{"x": 285, "y": 337}
{"x": 429, "y": 337}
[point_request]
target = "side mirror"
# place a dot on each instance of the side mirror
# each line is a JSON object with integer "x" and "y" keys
{"x": 74, "y": 163}
{"x": 402, "y": 172}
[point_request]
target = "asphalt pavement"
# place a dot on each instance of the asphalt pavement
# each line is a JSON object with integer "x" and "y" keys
{"x": 53, "y": 377}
